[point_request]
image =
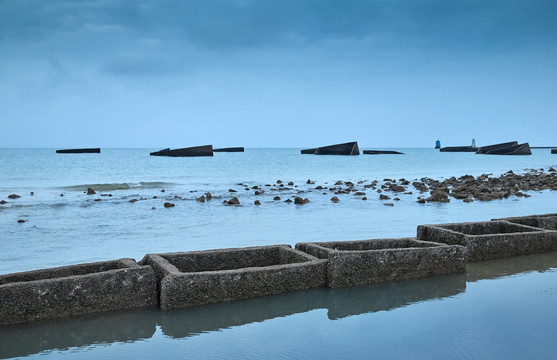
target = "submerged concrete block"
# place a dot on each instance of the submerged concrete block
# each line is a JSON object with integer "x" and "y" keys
{"x": 491, "y": 239}
{"x": 489, "y": 148}
{"x": 349, "y": 148}
{"x": 77, "y": 289}
{"x": 203, "y": 150}
{"x": 520, "y": 149}
{"x": 546, "y": 221}
{"x": 212, "y": 276}
{"x": 363, "y": 262}
{"x": 79, "y": 151}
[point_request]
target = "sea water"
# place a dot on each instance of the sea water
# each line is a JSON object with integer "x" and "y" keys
{"x": 493, "y": 316}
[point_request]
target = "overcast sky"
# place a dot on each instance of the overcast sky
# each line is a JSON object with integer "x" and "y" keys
{"x": 277, "y": 73}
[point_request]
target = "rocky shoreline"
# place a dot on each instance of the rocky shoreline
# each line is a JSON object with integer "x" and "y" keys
{"x": 466, "y": 188}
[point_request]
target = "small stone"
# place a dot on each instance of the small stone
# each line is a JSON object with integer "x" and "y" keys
{"x": 201, "y": 199}
{"x": 360, "y": 193}
{"x": 97, "y": 199}
{"x": 421, "y": 201}
{"x": 364, "y": 198}
{"x": 258, "y": 192}
{"x": 153, "y": 208}
{"x": 299, "y": 201}
{"x": 155, "y": 197}
{"x": 389, "y": 204}
{"x": 168, "y": 205}
{"x": 396, "y": 199}
{"x": 335, "y": 199}
{"x": 133, "y": 200}
{"x": 61, "y": 194}
{"x": 232, "y": 190}
{"x": 255, "y": 187}
{"x": 234, "y": 201}
{"x": 290, "y": 183}
{"x": 257, "y": 202}
{"x": 279, "y": 181}
{"x": 90, "y": 191}
{"x": 468, "y": 200}
{"x": 288, "y": 201}
{"x": 338, "y": 183}
{"x": 384, "y": 197}
{"x": 32, "y": 193}
{"x": 13, "y": 196}
{"x": 276, "y": 198}
{"x": 208, "y": 196}
{"x": 163, "y": 190}
{"x": 2, "y": 202}
{"x": 21, "y": 221}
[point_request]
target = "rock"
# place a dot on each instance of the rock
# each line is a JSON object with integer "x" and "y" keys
{"x": 290, "y": 183}
{"x": 468, "y": 200}
{"x": 97, "y": 199}
{"x": 256, "y": 202}
{"x": 90, "y": 191}
{"x": 154, "y": 197}
{"x": 288, "y": 201}
{"x": 279, "y": 181}
{"x": 360, "y": 193}
{"x": 421, "y": 201}
{"x": 233, "y": 201}
{"x": 2, "y": 202}
{"x": 384, "y": 197}
{"x": 255, "y": 187}
{"x": 338, "y": 183}
{"x": 133, "y": 200}
{"x": 258, "y": 193}
{"x": 276, "y": 198}
{"x": 32, "y": 193}
{"x": 319, "y": 187}
{"x": 232, "y": 190}
{"x": 335, "y": 199}
{"x": 201, "y": 199}
{"x": 163, "y": 190}
{"x": 396, "y": 199}
{"x": 61, "y": 194}
{"x": 13, "y": 196}
{"x": 153, "y": 208}
{"x": 389, "y": 204}
{"x": 168, "y": 205}
{"x": 208, "y": 196}
{"x": 21, "y": 221}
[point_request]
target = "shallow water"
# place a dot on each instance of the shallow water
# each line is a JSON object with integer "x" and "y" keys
{"x": 499, "y": 309}
{"x": 74, "y": 228}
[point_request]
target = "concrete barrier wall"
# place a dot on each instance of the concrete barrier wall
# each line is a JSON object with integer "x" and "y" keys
{"x": 352, "y": 263}
{"x": 491, "y": 239}
{"x": 212, "y": 276}
{"x": 546, "y": 221}
{"x": 73, "y": 290}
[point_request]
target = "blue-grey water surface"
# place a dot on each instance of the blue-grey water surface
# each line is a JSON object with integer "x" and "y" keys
{"x": 500, "y": 309}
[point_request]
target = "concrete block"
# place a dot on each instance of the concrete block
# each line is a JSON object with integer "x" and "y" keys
{"x": 491, "y": 239}
{"x": 213, "y": 276}
{"x": 546, "y": 221}
{"x": 77, "y": 289}
{"x": 352, "y": 263}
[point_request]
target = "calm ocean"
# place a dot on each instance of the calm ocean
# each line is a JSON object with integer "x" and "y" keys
{"x": 500, "y": 309}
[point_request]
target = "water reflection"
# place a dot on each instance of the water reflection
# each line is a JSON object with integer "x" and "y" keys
{"x": 133, "y": 326}
{"x": 81, "y": 331}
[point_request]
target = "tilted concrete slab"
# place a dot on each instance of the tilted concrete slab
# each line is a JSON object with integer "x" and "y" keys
{"x": 77, "y": 289}
{"x": 546, "y": 221}
{"x": 352, "y": 263}
{"x": 213, "y": 276}
{"x": 491, "y": 239}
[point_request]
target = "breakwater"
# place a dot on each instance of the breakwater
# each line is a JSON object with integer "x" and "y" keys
{"x": 202, "y": 277}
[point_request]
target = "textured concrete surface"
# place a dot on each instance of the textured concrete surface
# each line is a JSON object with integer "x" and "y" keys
{"x": 212, "y": 276}
{"x": 352, "y": 263}
{"x": 546, "y": 221}
{"x": 78, "y": 289}
{"x": 491, "y": 239}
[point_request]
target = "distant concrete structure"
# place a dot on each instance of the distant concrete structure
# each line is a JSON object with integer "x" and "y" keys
{"x": 546, "y": 221}
{"x": 520, "y": 149}
{"x": 491, "y": 239}
{"x": 212, "y": 276}
{"x": 495, "y": 147}
{"x": 230, "y": 149}
{"x": 459, "y": 149}
{"x": 382, "y": 152}
{"x": 349, "y": 148}
{"x": 364, "y": 262}
{"x": 554, "y": 151}
{"x": 79, "y": 151}
{"x": 77, "y": 289}
{"x": 204, "y": 150}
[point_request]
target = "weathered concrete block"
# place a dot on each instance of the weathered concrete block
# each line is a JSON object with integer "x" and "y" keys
{"x": 212, "y": 276}
{"x": 491, "y": 239}
{"x": 77, "y": 289}
{"x": 546, "y": 221}
{"x": 363, "y": 262}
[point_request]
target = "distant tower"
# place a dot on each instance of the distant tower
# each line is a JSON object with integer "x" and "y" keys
{"x": 438, "y": 144}
{"x": 473, "y": 143}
